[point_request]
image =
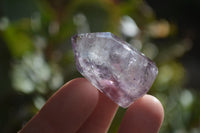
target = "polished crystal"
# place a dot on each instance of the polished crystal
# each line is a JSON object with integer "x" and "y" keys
{"x": 113, "y": 66}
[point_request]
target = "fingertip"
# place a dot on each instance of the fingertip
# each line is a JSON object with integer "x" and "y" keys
{"x": 145, "y": 115}
{"x": 154, "y": 107}
{"x": 102, "y": 116}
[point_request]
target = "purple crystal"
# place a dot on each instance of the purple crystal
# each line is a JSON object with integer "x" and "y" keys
{"x": 113, "y": 66}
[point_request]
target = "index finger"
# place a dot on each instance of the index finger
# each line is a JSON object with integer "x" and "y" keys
{"x": 66, "y": 110}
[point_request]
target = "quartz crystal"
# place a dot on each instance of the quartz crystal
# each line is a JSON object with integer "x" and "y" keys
{"x": 113, "y": 66}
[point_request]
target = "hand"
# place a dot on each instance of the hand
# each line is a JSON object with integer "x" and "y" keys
{"x": 80, "y": 107}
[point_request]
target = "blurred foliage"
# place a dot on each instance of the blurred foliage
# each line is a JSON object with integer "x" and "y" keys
{"x": 36, "y": 55}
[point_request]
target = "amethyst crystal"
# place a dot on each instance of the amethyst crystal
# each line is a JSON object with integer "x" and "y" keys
{"x": 113, "y": 66}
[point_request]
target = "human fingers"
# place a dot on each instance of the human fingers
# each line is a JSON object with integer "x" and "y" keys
{"x": 101, "y": 118}
{"x": 143, "y": 116}
{"x": 66, "y": 110}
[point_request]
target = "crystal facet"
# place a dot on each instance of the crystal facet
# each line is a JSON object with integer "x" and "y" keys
{"x": 113, "y": 66}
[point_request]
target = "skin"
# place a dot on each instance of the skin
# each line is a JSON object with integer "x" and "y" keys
{"x": 80, "y": 107}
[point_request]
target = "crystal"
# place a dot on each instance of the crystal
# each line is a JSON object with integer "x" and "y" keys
{"x": 113, "y": 66}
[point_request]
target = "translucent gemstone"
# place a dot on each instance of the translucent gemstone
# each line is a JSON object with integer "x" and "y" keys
{"x": 113, "y": 66}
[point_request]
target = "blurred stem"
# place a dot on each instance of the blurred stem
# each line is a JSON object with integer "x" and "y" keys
{"x": 117, "y": 120}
